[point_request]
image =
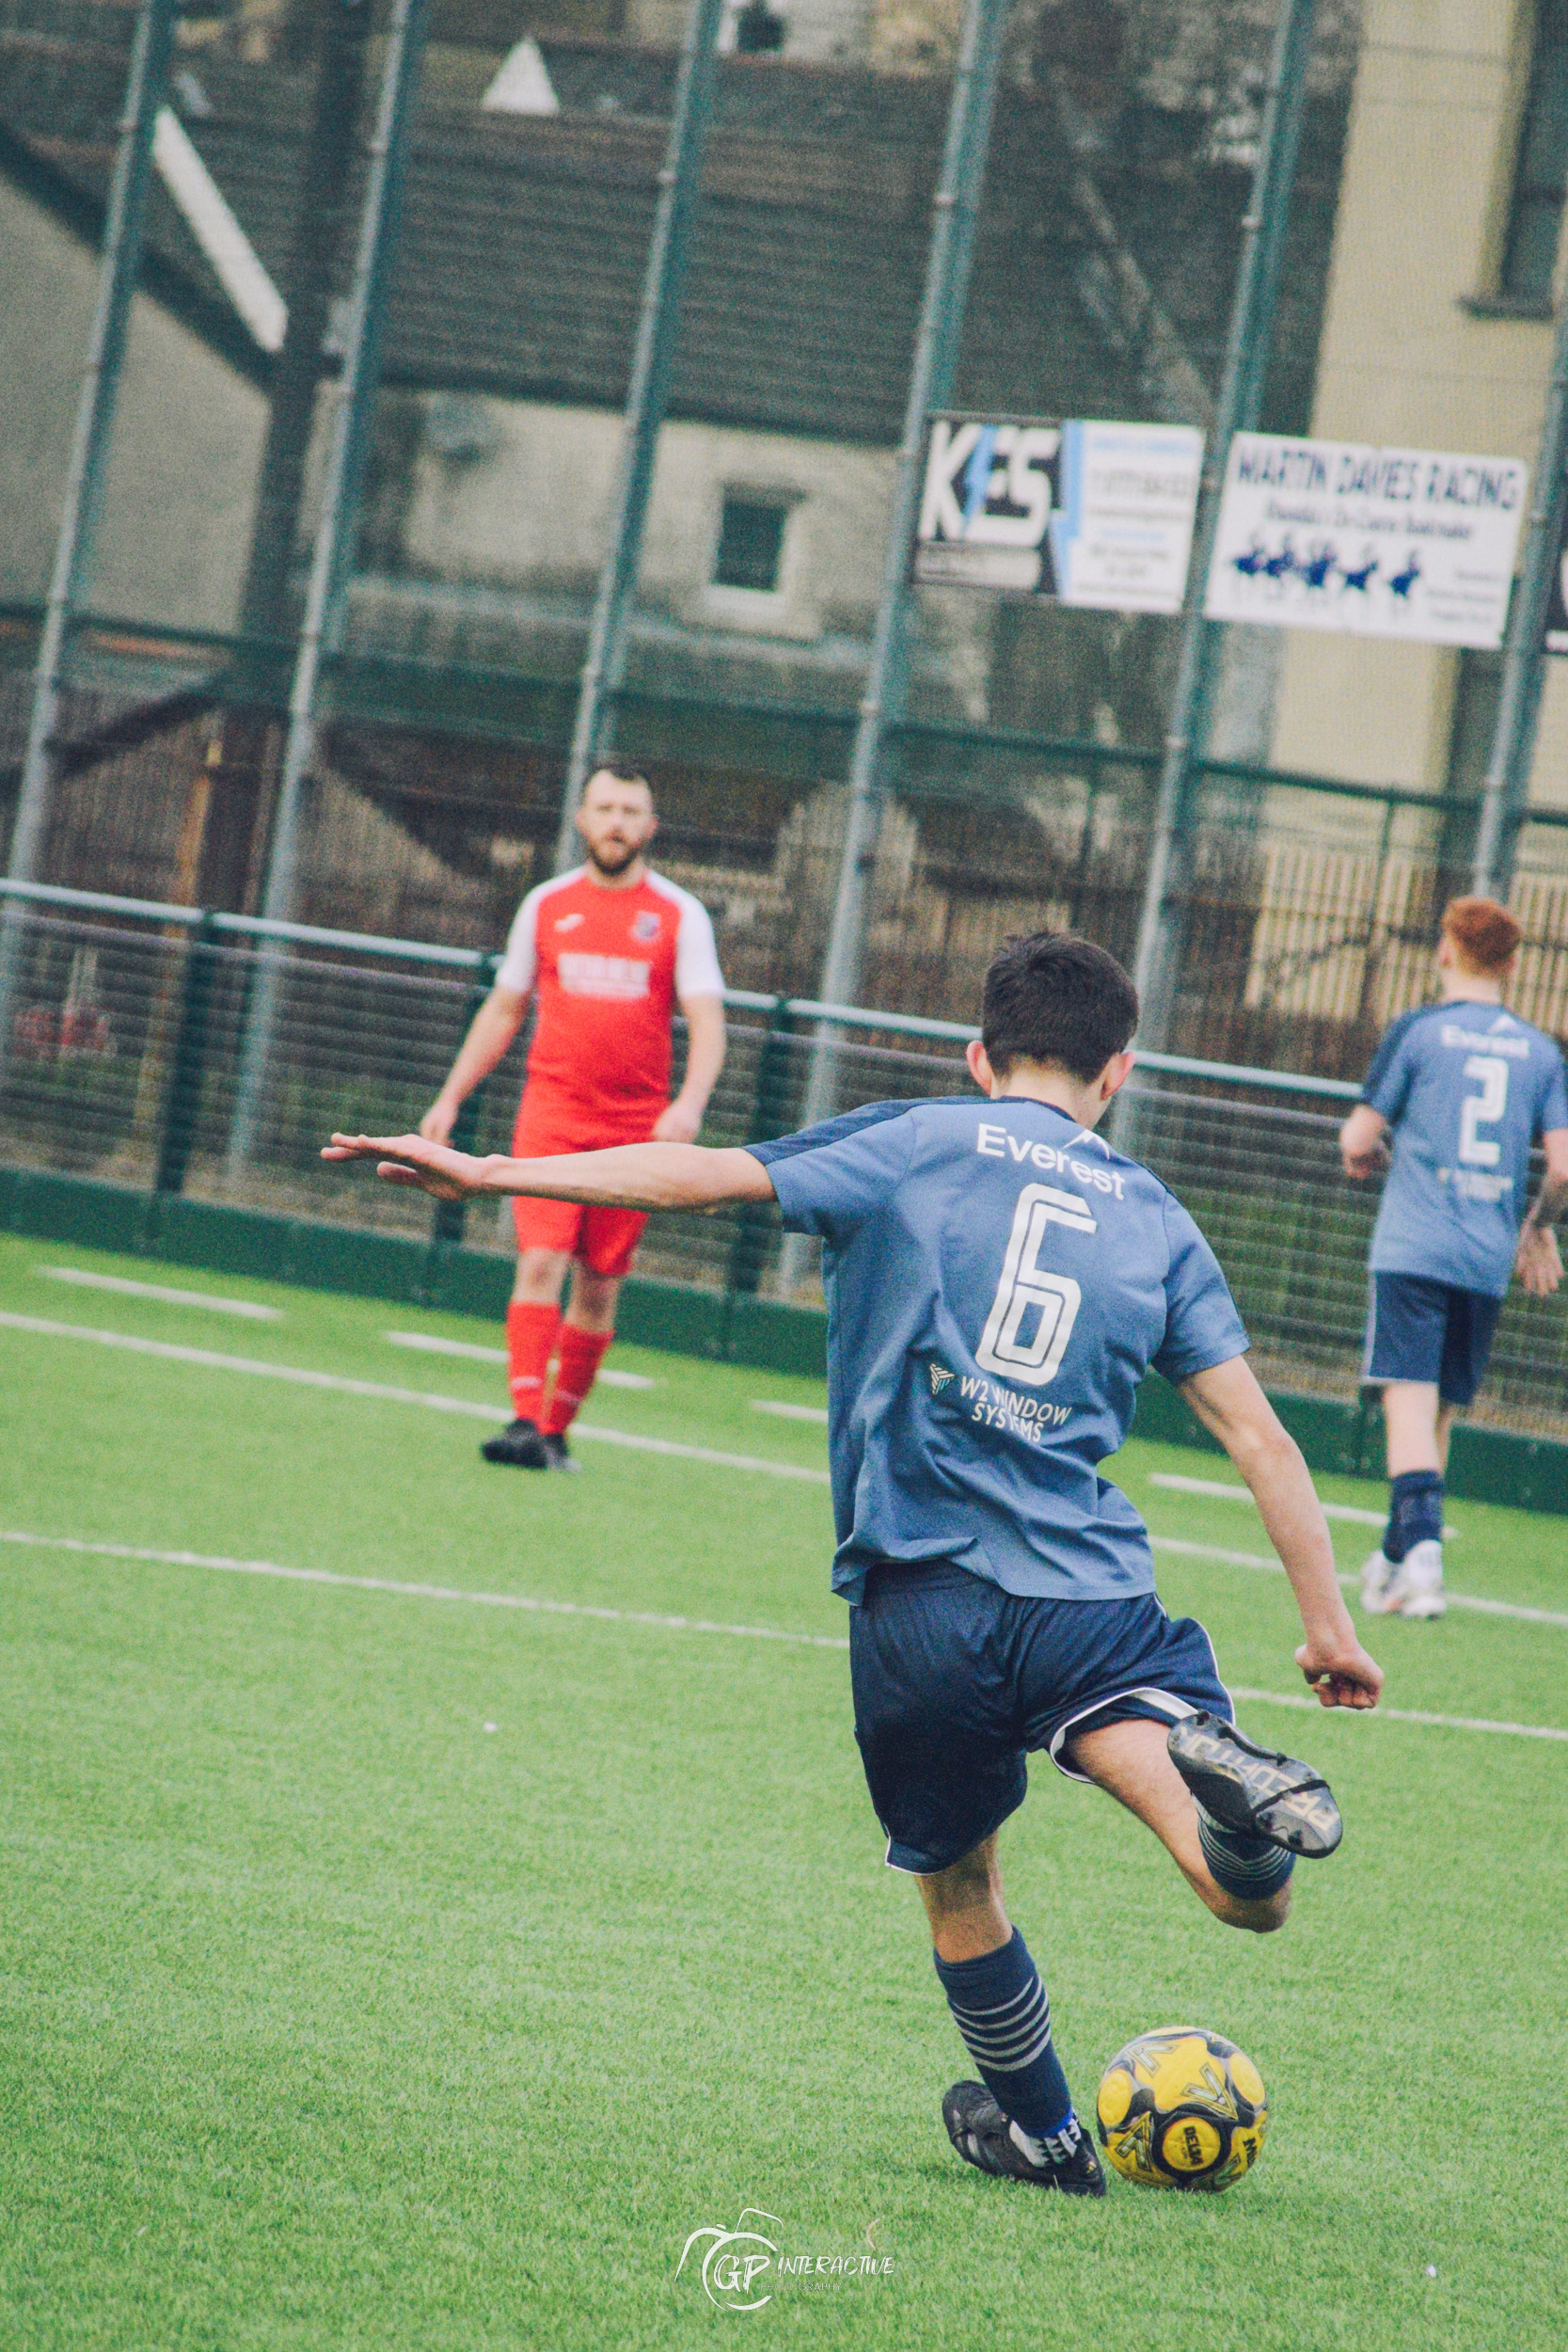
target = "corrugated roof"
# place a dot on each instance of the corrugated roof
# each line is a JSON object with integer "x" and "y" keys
{"x": 526, "y": 238}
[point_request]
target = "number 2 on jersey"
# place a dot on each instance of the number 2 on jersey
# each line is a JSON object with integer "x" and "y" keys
{"x": 1483, "y": 1109}
{"x": 1026, "y": 1287}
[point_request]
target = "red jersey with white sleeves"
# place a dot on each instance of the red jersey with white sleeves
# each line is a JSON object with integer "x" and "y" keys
{"x": 606, "y": 968}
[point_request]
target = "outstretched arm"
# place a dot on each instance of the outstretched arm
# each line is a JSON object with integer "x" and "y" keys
{"x": 629, "y": 1176}
{"x": 1229, "y": 1403}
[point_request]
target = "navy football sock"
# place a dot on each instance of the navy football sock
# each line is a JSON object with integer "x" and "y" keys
{"x": 1252, "y": 1868}
{"x": 999, "y": 2006}
{"x": 1415, "y": 1513}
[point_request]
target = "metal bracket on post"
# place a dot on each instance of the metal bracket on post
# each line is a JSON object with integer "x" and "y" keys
{"x": 123, "y": 220}
{"x": 652, "y": 359}
{"x": 1248, "y": 347}
{"x": 1506, "y": 792}
{"x": 954, "y": 208}
{"x": 335, "y": 533}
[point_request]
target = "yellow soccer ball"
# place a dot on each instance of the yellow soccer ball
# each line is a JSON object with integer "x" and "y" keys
{"x": 1182, "y": 2108}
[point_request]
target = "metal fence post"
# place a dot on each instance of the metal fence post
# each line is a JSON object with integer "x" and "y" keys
{"x": 449, "y": 1219}
{"x": 770, "y": 1111}
{"x": 336, "y": 533}
{"x": 954, "y": 208}
{"x": 652, "y": 359}
{"x": 124, "y": 216}
{"x": 343, "y": 31}
{"x": 1248, "y": 347}
{"x": 1506, "y": 790}
{"x": 182, "y": 1104}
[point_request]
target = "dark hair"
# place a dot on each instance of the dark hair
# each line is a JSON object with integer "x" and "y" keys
{"x": 1053, "y": 998}
{"x": 1485, "y": 935}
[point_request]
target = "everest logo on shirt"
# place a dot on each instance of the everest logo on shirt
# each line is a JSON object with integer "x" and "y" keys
{"x": 647, "y": 925}
{"x": 1492, "y": 1041}
{"x": 622, "y": 977}
{"x": 569, "y": 922}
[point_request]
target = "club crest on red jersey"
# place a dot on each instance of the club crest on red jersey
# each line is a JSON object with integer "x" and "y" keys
{"x": 646, "y": 925}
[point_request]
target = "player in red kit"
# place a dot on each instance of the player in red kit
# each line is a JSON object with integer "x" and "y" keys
{"x": 607, "y": 952}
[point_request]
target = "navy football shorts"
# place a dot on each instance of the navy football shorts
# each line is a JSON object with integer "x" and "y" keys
{"x": 1419, "y": 1329}
{"x": 955, "y": 1681}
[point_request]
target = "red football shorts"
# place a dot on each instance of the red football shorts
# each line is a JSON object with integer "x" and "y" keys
{"x": 603, "y": 1240}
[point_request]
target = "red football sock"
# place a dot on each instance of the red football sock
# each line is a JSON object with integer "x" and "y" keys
{"x": 530, "y": 1343}
{"x": 581, "y": 1352}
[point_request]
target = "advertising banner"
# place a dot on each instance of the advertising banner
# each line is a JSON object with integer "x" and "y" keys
{"x": 1377, "y": 542}
{"x": 1087, "y": 514}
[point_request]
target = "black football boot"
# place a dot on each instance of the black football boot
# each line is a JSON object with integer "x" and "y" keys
{"x": 1257, "y": 1792}
{"x": 520, "y": 1444}
{"x": 980, "y": 2133}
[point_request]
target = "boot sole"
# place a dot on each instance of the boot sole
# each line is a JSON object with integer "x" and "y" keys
{"x": 1246, "y": 1788}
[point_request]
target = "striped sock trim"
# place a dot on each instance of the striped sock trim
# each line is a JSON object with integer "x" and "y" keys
{"x": 1012, "y": 2035}
{"x": 1250, "y": 1868}
{"x": 1000, "y": 2008}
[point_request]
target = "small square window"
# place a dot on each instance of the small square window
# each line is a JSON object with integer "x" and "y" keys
{"x": 751, "y": 545}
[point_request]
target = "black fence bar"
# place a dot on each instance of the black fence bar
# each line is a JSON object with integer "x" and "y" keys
{"x": 123, "y": 1060}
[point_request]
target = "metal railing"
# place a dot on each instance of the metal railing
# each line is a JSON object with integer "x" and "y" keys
{"x": 122, "y": 1064}
{"x": 1312, "y": 904}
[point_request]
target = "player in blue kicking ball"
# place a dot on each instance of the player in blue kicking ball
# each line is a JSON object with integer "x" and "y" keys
{"x": 1461, "y": 1090}
{"x": 999, "y": 1281}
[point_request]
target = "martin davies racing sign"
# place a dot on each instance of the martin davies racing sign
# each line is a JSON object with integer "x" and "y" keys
{"x": 1378, "y": 542}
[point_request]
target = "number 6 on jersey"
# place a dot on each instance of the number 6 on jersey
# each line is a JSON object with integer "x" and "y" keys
{"x": 1025, "y": 1284}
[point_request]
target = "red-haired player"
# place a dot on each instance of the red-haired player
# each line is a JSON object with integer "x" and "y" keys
{"x": 607, "y": 952}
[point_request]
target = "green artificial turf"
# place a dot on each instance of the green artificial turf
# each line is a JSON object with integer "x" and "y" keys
{"x": 335, "y": 2017}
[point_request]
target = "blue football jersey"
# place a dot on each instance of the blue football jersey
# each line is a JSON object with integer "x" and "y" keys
{"x": 1466, "y": 1090}
{"x": 999, "y": 1281}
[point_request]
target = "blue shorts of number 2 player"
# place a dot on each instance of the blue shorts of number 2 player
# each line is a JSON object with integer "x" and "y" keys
{"x": 955, "y": 1681}
{"x": 1419, "y": 1330}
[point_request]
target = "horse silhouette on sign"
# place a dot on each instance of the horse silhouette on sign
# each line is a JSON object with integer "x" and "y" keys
{"x": 1402, "y": 583}
{"x": 1315, "y": 571}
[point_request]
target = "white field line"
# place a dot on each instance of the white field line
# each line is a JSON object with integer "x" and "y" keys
{"x": 468, "y": 1408}
{"x": 776, "y": 1404}
{"x": 535, "y": 1607}
{"x": 1217, "y": 1487}
{"x": 208, "y": 1358}
{"x": 1267, "y": 1562}
{"x": 429, "y": 1343}
{"x": 124, "y": 1288}
{"x": 416, "y": 1592}
{"x": 1397, "y": 1714}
